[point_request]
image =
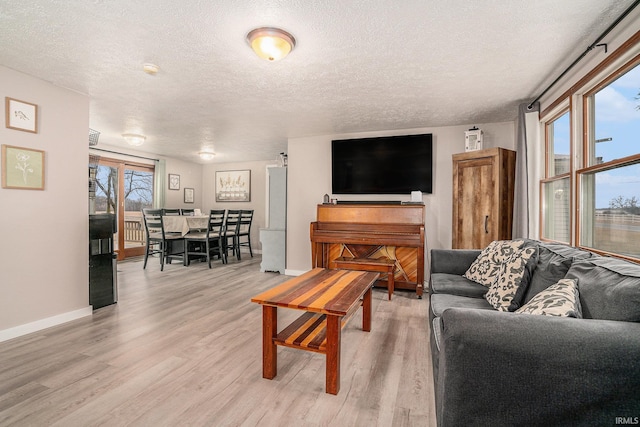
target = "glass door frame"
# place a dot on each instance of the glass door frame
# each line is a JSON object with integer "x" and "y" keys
{"x": 122, "y": 165}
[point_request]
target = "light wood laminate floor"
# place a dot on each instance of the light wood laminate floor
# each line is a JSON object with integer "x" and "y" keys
{"x": 182, "y": 347}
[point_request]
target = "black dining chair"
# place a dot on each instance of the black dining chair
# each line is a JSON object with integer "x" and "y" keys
{"x": 244, "y": 230}
{"x": 167, "y": 212}
{"x": 187, "y": 211}
{"x": 158, "y": 241}
{"x": 231, "y": 229}
{"x": 203, "y": 243}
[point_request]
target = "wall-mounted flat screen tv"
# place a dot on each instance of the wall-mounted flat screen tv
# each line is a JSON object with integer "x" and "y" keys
{"x": 384, "y": 165}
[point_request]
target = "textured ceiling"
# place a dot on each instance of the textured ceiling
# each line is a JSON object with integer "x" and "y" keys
{"x": 359, "y": 65}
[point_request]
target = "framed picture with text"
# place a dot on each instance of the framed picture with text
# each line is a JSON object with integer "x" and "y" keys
{"x": 233, "y": 186}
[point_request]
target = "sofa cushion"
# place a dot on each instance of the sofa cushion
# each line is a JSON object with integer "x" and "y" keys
{"x": 486, "y": 266}
{"x": 609, "y": 288}
{"x": 443, "y": 283}
{"x": 560, "y": 299}
{"x": 510, "y": 284}
{"x": 452, "y": 261}
{"x": 441, "y": 302}
{"x": 551, "y": 267}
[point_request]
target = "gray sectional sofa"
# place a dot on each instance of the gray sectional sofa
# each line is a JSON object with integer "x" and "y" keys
{"x": 496, "y": 368}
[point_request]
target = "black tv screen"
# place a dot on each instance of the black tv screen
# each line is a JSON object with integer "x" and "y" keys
{"x": 385, "y": 165}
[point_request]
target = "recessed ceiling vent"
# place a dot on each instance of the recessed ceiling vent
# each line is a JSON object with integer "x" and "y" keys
{"x": 93, "y": 137}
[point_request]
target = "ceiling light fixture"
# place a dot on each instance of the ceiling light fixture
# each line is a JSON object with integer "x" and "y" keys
{"x": 151, "y": 69}
{"x": 134, "y": 139}
{"x": 271, "y": 43}
{"x": 206, "y": 155}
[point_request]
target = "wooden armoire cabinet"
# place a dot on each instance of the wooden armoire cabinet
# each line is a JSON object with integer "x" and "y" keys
{"x": 483, "y": 183}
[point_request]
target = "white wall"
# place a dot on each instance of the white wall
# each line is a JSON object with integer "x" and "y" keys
{"x": 190, "y": 177}
{"x": 309, "y": 178}
{"x": 44, "y": 274}
{"x": 257, "y": 203}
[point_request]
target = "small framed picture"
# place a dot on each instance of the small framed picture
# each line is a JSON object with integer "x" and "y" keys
{"x": 22, "y": 168}
{"x": 174, "y": 181}
{"x": 188, "y": 195}
{"x": 473, "y": 140}
{"x": 21, "y": 115}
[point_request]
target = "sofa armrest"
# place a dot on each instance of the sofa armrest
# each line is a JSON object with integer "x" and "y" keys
{"x": 452, "y": 261}
{"x": 501, "y": 368}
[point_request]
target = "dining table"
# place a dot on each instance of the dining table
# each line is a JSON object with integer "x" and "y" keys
{"x": 184, "y": 223}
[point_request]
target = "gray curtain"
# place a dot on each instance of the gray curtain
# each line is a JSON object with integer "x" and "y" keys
{"x": 521, "y": 201}
{"x": 160, "y": 184}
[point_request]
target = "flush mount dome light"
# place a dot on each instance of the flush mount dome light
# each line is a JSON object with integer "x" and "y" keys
{"x": 206, "y": 155}
{"x": 151, "y": 69}
{"x": 134, "y": 139}
{"x": 271, "y": 43}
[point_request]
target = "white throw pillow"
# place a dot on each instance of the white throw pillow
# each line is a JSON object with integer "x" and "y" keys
{"x": 561, "y": 299}
{"x": 510, "y": 284}
{"x": 485, "y": 268}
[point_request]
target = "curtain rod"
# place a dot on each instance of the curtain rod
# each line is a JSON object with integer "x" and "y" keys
{"x": 590, "y": 48}
{"x": 130, "y": 155}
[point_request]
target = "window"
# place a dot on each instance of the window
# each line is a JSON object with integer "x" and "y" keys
{"x": 609, "y": 185}
{"x": 599, "y": 202}
{"x": 614, "y": 112}
{"x": 611, "y": 206}
{"x": 556, "y": 210}
{"x": 130, "y": 183}
{"x": 559, "y": 143}
{"x": 556, "y": 189}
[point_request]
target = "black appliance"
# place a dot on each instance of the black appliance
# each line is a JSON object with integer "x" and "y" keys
{"x": 103, "y": 286}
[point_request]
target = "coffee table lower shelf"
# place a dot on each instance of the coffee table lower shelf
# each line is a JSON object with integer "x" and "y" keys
{"x": 308, "y": 332}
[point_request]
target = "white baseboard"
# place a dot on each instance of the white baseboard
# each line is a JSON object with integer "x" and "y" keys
{"x": 41, "y": 324}
{"x": 288, "y": 272}
{"x": 245, "y": 250}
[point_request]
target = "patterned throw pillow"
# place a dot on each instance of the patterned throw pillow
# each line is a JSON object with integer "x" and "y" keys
{"x": 510, "y": 284}
{"x": 561, "y": 299}
{"x": 484, "y": 269}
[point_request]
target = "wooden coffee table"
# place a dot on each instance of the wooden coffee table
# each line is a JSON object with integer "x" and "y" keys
{"x": 328, "y": 298}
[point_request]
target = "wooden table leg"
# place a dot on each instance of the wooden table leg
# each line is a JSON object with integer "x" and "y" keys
{"x": 333, "y": 354}
{"x": 366, "y": 311}
{"x": 391, "y": 282}
{"x": 269, "y": 349}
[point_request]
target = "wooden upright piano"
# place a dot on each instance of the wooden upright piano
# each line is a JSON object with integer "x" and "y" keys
{"x": 372, "y": 231}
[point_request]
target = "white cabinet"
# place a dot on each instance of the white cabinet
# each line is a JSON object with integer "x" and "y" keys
{"x": 274, "y": 238}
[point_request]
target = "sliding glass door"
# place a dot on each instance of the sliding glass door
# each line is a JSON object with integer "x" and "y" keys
{"x": 125, "y": 189}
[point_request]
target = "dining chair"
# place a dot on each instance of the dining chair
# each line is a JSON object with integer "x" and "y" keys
{"x": 170, "y": 212}
{"x": 246, "y": 218}
{"x": 158, "y": 241}
{"x": 231, "y": 229}
{"x": 203, "y": 243}
{"x": 187, "y": 211}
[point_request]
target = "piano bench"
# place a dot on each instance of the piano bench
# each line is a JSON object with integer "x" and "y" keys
{"x": 381, "y": 265}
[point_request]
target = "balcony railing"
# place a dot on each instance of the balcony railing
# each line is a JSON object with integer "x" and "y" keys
{"x": 134, "y": 231}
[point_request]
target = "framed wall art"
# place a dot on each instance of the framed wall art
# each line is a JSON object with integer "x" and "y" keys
{"x": 188, "y": 195}
{"x": 174, "y": 181}
{"x": 21, "y": 115}
{"x": 233, "y": 186}
{"x": 22, "y": 168}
